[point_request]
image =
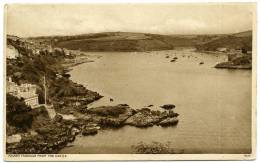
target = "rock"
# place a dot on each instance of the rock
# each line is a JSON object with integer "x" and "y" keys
{"x": 111, "y": 99}
{"x": 89, "y": 131}
{"x": 224, "y": 65}
{"x": 145, "y": 110}
{"x": 111, "y": 122}
{"x": 171, "y": 113}
{"x": 201, "y": 63}
{"x": 146, "y": 117}
{"x": 74, "y": 131}
{"x": 150, "y": 106}
{"x": 155, "y": 148}
{"x": 231, "y": 65}
{"x": 140, "y": 120}
{"x": 168, "y": 122}
{"x": 71, "y": 139}
{"x": 175, "y": 58}
{"x": 143, "y": 118}
{"x": 114, "y": 111}
{"x": 167, "y": 56}
{"x": 168, "y": 106}
{"x": 50, "y": 139}
{"x": 237, "y": 62}
{"x": 58, "y": 118}
{"x": 111, "y": 116}
{"x": 123, "y": 104}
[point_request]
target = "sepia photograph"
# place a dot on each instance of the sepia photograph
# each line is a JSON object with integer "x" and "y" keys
{"x": 129, "y": 81}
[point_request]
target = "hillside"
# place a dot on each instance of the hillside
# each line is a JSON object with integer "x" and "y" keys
{"x": 127, "y": 41}
{"x": 243, "y": 34}
{"x": 242, "y": 40}
{"x": 118, "y": 41}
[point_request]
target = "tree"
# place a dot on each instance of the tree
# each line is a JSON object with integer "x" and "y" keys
{"x": 17, "y": 112}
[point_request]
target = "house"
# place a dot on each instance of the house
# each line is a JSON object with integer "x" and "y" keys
{"x": 11, "y": 52}
{"x": 25, "y": 91}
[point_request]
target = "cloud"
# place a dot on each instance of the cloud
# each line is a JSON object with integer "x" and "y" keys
{"x": 185, "y": 25}
{"x": 38, "y": 20}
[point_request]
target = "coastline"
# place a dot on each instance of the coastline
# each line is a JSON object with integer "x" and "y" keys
{"x": 52, "y": 135}
{"x": 87, "y": 121}
{"x": 235, "y": 60}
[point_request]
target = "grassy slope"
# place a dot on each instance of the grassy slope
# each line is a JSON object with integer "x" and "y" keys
{"x": 119, "y": 41}
{"x": 126, "y": 41}
{"x": 243, "y": 34}
{"x": 234, "y": 41}
{"x": 116, "y": 42}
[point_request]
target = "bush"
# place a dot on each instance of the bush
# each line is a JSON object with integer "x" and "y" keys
{"x": 114, "y": 111}
{"x": 17, "y": 112}
{"x": 154, "y": 148}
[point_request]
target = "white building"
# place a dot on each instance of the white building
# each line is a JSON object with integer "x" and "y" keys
{"x": 11, "y": 52}
{"x": 25, "y": 91}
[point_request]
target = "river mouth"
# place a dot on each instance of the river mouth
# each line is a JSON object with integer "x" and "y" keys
{"x": 214, "y": 105}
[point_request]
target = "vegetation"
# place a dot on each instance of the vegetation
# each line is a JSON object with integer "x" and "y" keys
{"x": 21, "y": 117}
{"x": 126, "y": 41}
{"x": 32, "y": 69}
{"x": 241, "y": 41}
{"x": 154, "y": 148}
{"x": 18, "y": 113}
{"x": 114, "y": 111}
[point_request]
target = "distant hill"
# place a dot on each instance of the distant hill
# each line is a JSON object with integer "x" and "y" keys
{"x": 114, "y": 42}
{"x": 233, "y": 41}
{"x": 244, "y": 34}
{"x": 127, "y": 41}
{"x": 118, "y": 41}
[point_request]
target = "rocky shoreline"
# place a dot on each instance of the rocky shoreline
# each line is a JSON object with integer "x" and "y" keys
{"x": 236, "y": 61}
{"x": 48, "y": 135}
{"x": 231, "y": 65}
{"x": 51, "y": 135}
{"x": 57, "y": 133}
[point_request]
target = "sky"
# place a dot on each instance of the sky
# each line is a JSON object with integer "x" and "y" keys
{"x": 45, "y": 20}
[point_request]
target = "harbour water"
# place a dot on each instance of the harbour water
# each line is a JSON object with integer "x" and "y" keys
{"x": 214, "y": 104}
